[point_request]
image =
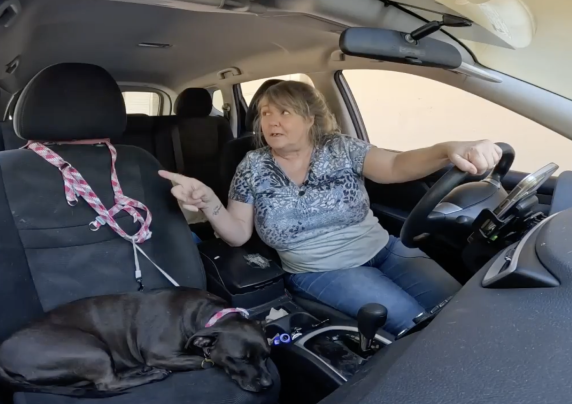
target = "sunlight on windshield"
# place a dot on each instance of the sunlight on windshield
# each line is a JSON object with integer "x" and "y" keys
{"x": 546, "y": 61}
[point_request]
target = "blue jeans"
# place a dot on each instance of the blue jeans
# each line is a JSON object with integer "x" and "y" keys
{"x": 404, "y": 280}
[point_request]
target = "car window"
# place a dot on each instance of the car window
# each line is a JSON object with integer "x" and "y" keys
{"x": 403, "y": 112}
{"x": 217, "y": 100}
{"x": 142, "y": 102}
{"x": 249, "y": 88}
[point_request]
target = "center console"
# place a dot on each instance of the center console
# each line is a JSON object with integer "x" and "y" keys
{"x": 314, "y": 356}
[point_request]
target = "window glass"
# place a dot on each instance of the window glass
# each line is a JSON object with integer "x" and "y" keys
{"x": 403, "y": 112}
{"x": 141, "y": 102}
{"x": 249, "y": 88}
{"x": 217, "y": 100}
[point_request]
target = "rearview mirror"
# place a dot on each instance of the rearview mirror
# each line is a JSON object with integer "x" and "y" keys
{"x": 393, "y": 46}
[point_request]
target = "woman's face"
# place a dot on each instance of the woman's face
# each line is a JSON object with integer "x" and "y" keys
{"x": 283, "y": 129}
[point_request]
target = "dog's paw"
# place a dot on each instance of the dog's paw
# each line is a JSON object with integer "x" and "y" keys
{"x": 159, "y": 374}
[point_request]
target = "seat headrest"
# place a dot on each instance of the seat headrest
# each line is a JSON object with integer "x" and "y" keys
{"x": 70, "y": 101}
{"x": 252, "y": 112}
{"x": 194, "y": 103}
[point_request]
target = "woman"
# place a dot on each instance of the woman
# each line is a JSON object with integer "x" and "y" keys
{"x": 305, "y": 194}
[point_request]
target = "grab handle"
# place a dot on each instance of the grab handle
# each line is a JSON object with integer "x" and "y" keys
{"x": 9, "y": 11}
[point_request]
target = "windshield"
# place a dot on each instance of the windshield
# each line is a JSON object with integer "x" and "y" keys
{"x": 546, "y": 60}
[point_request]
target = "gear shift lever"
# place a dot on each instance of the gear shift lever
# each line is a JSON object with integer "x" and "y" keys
{"x": 370, "y": 317}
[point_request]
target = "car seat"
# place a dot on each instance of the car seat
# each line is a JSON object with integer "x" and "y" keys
{"x": 50, "y": 255}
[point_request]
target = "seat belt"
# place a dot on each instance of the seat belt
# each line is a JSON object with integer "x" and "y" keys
{"x": 75, "y": 185}
{"x": 226, "y": 111}
{"x": 178, "y": 149}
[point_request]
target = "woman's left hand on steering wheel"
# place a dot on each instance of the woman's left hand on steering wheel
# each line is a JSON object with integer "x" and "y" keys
{"x": 475, "y": 157}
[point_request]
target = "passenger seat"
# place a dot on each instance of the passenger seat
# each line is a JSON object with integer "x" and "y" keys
{"x": 49, "y": 254}
{"x": 8, "y": 138}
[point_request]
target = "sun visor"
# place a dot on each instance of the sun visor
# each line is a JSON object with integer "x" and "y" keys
{"x": 503, "y": 23}
{"x": 510, "y": 20}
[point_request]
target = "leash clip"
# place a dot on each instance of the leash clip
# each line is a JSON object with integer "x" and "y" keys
{"x": 207, "y": 361}
{"x": 96, "y": 224}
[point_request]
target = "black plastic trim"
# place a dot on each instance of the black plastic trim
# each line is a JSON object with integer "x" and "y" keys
{"x": 241, "y": 109}
{"x": 351, "y": 105}
{"x": 389, "y": 3}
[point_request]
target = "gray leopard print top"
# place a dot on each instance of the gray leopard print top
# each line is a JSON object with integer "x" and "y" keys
{"x": 324, "y": 224}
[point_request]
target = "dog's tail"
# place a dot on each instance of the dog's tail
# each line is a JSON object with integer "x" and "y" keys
{"x": 20, "y": 385}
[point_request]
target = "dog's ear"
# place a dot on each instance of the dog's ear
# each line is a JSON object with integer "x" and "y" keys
{"x": 203, "y": 339}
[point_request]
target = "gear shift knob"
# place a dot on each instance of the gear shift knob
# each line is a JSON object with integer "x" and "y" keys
{"x": 370, "y": 317}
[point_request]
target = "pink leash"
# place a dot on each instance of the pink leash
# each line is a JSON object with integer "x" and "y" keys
{"x": 75, "y": 185}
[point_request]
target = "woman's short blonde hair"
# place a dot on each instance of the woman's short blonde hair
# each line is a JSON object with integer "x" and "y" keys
{"x": 304, "y": 100}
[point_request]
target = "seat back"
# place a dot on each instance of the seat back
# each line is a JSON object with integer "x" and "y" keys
{"x": 234, "y": 151}
{"x": 202, "y": 137}
{"x": 139, "y": 132}
{"x": 8, "y": 138}
{"x": 48, "y": 254}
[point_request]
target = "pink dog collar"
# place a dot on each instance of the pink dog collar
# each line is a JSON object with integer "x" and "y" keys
{"x": 223, "y": 313}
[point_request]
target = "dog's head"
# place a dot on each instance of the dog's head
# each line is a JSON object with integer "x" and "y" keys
{"x": 239, "y": 346}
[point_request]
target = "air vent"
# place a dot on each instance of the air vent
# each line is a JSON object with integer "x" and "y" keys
{"x": 155, "y": 45}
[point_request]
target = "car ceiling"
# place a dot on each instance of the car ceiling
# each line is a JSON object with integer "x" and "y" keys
{"x": 107, "y": 33}
{"x": 289, "y": 36}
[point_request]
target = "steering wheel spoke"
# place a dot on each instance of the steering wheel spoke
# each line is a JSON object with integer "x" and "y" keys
{"x": 423, "y": 217}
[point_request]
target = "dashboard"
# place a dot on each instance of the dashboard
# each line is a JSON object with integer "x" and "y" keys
{"x": 494, "y": 342}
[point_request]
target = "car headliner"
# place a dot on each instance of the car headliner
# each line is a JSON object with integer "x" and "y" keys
{"x": 107, "y": 33}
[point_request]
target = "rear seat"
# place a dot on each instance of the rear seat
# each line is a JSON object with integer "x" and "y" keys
{"x": 202, "y": 138}
{"x": 140, "y": 131}
{"x": 201, "y": 135}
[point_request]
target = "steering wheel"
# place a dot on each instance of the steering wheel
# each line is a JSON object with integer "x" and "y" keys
{"x": 418, "y": 221}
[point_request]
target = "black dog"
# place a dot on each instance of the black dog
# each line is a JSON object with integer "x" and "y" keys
{"x": 111, "y": 343}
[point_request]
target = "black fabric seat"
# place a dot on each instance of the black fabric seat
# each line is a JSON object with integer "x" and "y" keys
{"x": 144, "y": 131}
{"x": 8, "y": 138}
{"x": 139, "y": 132}
{"x": 49, "y": 255}
{"x": 234, "y": 151}
{"x": 201, "y": 136}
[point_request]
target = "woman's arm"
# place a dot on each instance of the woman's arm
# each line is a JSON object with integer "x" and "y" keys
{"x": 387, "y": 167}
{"x": 234, "y": 225}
